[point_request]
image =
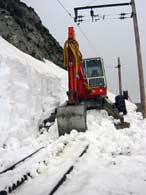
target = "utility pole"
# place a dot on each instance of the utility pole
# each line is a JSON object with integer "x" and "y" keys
{"x": 139, "y": 59}
{"x": 119, "y": 76}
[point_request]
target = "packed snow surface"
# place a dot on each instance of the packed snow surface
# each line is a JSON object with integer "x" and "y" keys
{"x": 115, "y": 162}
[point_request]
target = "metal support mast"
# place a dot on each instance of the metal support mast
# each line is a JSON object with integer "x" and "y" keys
{"x": 139, "y": 59}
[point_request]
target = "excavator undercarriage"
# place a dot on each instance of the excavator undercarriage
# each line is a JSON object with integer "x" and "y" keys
{"x": 71, "y": 117}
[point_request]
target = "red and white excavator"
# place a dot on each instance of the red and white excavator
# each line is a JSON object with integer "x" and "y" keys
{"x": 87, "y": 89}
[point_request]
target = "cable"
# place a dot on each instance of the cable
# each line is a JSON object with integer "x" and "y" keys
{"x": 104, "y": 17}
{"x": 82, "y": 32}
{"x": 65, "y": 9}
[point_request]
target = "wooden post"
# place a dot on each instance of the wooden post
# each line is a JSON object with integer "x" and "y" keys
{"x": 119, "y": 76}
{"x": 139, "y": 59}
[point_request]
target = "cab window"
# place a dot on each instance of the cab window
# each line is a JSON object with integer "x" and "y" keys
{"x": 94, "y": 68}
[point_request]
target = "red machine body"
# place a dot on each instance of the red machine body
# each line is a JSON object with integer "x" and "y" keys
{"x": 82, "y": 84}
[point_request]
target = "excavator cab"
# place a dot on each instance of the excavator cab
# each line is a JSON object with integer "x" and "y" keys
{"x": 94, "y": 72}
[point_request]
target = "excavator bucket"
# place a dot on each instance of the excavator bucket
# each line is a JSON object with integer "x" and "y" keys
{"x": 71, "y": 117}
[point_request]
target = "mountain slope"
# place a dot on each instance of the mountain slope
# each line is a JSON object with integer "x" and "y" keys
{"x": 21, "y": 26}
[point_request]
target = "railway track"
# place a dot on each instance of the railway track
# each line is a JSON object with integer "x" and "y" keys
{"x": 25, "y": 173}
{"x": 8, "y": 180}
{"x": 12, "y": 167}
{"x": 14, "y": 176}
{"x": 64, "y": 176}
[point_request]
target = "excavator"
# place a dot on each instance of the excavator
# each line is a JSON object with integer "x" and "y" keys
{"x": 87, "y": 89}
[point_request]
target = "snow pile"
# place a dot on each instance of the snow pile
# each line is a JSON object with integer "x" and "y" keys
{"x": 116, "y": 159}
{"x": 114, "y": 163}
{"x": 30, "y": 90}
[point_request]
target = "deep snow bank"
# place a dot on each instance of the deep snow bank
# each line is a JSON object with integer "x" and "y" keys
{"x": 30, "y": 90}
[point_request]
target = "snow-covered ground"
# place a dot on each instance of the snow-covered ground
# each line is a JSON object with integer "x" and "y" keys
{"x": 115, "y": 163}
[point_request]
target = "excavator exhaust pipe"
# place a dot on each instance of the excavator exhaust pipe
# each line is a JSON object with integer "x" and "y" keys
{"x": 71, "y": 117}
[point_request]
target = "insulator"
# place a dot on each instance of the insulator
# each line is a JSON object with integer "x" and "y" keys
{"x": 92, "y": 13}
{"x": 80, "y": 16}
{"x": 103, "y": 17}
{"x": 123, "y": 14}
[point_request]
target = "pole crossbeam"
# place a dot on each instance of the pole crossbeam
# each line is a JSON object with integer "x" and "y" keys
{"x": 98, "y": 6}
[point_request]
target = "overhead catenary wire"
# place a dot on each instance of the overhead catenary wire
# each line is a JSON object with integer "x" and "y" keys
{"x": 81, "y": 30}
{"x": 98, "y": 17}
{"x": 95, "y": 15}
{"x": 90, "y": 43}
{"x": 65, "y": 9}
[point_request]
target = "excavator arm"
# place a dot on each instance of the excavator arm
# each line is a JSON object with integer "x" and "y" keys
{"x": 72, "y": 115}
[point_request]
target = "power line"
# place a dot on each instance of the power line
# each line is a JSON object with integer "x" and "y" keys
{"x": 65, "y": 9}
{"x": 90, "y": 43}
{"x": 81, "y": 30}
{"x": 98, "y": 17}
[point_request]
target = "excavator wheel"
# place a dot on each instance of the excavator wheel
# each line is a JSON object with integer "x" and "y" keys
{"x": 71, "y": 117}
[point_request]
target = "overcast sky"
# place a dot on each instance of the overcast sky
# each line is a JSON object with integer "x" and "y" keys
{"x": 108, "y": 38}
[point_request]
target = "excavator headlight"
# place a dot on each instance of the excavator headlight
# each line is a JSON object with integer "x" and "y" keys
{"x": 100, "y": 90}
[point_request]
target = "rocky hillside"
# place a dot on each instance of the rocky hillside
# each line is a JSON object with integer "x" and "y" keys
{"x": 21, "y": 26}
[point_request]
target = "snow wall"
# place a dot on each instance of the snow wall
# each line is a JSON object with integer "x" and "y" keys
{"x": 29, "y": 91}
